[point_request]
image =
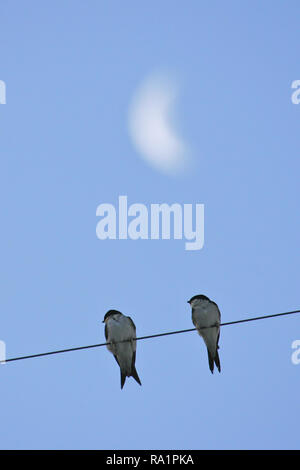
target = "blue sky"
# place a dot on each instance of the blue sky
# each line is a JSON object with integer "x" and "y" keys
{"x": 71, "y": 69}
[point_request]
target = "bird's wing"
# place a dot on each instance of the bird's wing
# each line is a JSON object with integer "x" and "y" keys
{"x": 117, "y": 360}
{"x": 134, "y": 332}
{"x": 133, "y": 360}
{"x": 219, "y": 313}
{"x": 218, "y": 347}
{"x": 106, "y": 332}
{"x": 132, "y": 324}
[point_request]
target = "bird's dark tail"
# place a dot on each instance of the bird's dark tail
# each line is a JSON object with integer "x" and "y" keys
{"x": 214, "y": 360}
{"x": 123, "y": 378}
{"x": 134, "y": 374}
{"x": 217, "y": 361}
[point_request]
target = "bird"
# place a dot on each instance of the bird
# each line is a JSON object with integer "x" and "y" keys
{"x": 119, "y": 327}
{"x": 206, "y": 317}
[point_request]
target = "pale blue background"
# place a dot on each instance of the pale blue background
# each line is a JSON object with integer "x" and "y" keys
{"x": 71, "y": 68}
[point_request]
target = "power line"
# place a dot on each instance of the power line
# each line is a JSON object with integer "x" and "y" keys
{"x": 146, "y": 337}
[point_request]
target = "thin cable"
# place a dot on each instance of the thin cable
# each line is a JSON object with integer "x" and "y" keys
{"x": 147, "y": 337}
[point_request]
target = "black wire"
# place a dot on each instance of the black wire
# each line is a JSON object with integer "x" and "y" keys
{"x": 146, "y": 337}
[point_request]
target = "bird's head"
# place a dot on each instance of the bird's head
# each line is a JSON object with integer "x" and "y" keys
{"x": 110, "y": 313}
{"x": 197, "y": 300}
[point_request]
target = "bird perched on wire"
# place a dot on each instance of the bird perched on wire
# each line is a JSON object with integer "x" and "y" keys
{"x": 206, "y": 317}
{"x": 118, "y": 329}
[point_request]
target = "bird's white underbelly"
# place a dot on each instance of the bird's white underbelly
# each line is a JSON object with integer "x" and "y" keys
{"x": 204, "y": 317}
{"x": 120, "y": 330}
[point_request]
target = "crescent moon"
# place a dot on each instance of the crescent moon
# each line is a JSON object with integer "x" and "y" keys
{"x": 150, "y": 127}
